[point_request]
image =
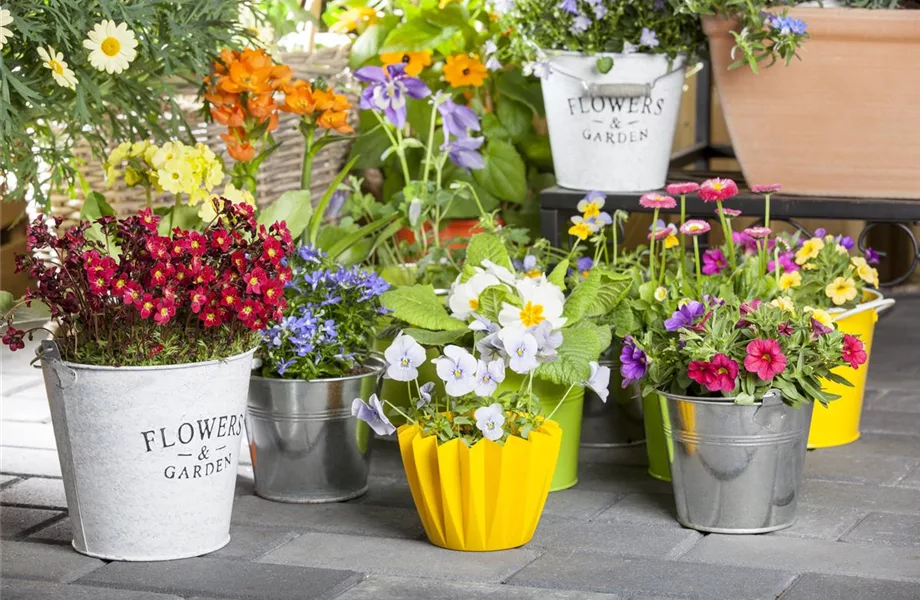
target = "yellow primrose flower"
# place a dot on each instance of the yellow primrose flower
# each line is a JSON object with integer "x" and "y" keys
{"x": 354, "y": 19}
{"x": 207, "y": 211}
{"x": 580, "y": 230}
{"x": 841, "y": 290}
{"x": 784, "y": 303}
{"x": 119, "y": 153}
{"x": 176, "y": 176}
{"x": 865, "y": 271}
{"x": 661, "y": 293}
{"x": 139, "y": 148}
{"x": 809, "y": 250}
{"x": 60, "y": 71}
{"x": 821, "y": 316}
{"x": 132, "y": 177}
{"x": 790, "y": 279}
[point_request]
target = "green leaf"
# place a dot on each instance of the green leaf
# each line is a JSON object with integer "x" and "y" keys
{"x": 344, "y": 244}
{"x": 625, "y": 321}
{"x": 320, "y": 210}
{"x": 515, "y": 117}
{"x": 557, "y": 275}
{"x": 436, "y": 338}
{"x": 604, "y": 64}
{"x": 831, "y": 376}
{"x": 416, "y": 35}
{"x": 419, "y": 114}
{"x": 614, "y": 288}
{"x": 492, "y": 299}
{"x": 6, "y": 303}
{"x": 370, "y": 146}
{"x": 504, "y": 174}
{"x": 418, "y": 306}
{"x": 367, "y": 45}
{"x": 487, "y": 246}
{"x": 452, "y": 16}
{"x": 95, "y": 207}
{"x": 581, "y": 344}
{"x": 536, "y": 150}
{"x": 493, "y": 129}
{"x": 526, "y": 90}
{"x": 292, "y": 207}
{"x": 582, "y": 297}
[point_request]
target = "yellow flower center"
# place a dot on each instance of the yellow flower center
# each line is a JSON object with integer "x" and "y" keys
{"x": 404, "y": 362}
{"x": 458, "y": 373}
{"x": 110, "y": 46}
{"x": 717, "y": 186}
{"x": 56, "y": 66}
{"x": 532, "y": 314}
{"x": 474, "y": 303}
{"x": 592, "y": 210}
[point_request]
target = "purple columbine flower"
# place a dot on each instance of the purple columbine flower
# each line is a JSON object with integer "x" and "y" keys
{"x": 685, "y": 316}
{"x": 458, "y": 119}
{"x": 464, "y": 152}
{"x": 714, "y": 261}
{"x": 388, "y": 90}
{"x": 633, "y": 362}
{"x": 648, "y": 38}
{"x": 871, "y": 256}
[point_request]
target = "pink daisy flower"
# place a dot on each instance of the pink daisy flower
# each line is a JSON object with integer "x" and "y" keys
{"x": 765, "y": 358}
{"x": 766, "y": 189}
{"x": 656, "y": 200}
{"x": 730, "y": 212}
{"x": 682, "y": 189}
{"x": 694, "y": 227}
{"x": 758, "y": 232}
{"x": 718, "y": 189}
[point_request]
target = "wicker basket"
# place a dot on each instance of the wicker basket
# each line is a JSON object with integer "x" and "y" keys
{"x": 278, "y": 174}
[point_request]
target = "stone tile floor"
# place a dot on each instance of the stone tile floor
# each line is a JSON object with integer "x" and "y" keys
{"x": 611, "y": 537}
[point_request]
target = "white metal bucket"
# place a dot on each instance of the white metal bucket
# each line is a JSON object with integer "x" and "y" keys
{"x": 612, "y": 132}
{"x": 148, "y": 454}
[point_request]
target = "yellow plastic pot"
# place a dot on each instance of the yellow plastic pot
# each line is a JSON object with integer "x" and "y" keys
{"x": 838, "y": 423}
{"x": 484, "y": 498}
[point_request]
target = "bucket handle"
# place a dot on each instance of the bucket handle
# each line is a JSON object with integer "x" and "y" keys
{"x": 773, "y": 397}
{"x": 616, "y": 90}
{"x": 50, "y": 354}
{"x": 880, "y": 306}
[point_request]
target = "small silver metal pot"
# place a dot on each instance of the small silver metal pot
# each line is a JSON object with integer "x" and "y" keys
{"x": 306, "y": 446}
{"x": 619, "y": 421}
{"x": 736, "y": 468}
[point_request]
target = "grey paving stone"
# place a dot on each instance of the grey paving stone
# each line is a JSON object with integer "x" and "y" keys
{"x": 400, "y": 588}
{"x": 387, "y": 491}
{"x": 25, "y": 408}
{"x": 865, "y": 497}
{"x": 47, "y": 562}
{"x": 228, "y": 578}
{"x": 912, "y": 480}
{"x": 405, "y": 558}
{"x": 881, "y": 529}
{"x": 633, "y": 456}
{"x": 903, "y": 423}
{"x": 822, "y": 523}
{"x": 816, "y": 556}
{"x": 245, "y": 481}
{"x": 619, "y": 479}
{"x": 360, "y": 519}
{"x": 885, "y": 400}
{"x": 616, "y": 538}
{"x": 5, "y": 479}
{"x": 59, "y": 532}
{"x": 36, "y": 491}
{"x": 643, "y": 508}
{"x": 250, "y": 543}
{"x": 18, "y": 380}
{"x": 27, "y": 435}
{"x": 828, "y": 463}
{"x": 14, "y": 521}
{"x": 42, "y": 590}
{"x": 811, "y": 586}
{"x": 578, "y": 503}
{"x": 882, "y": 443}
{"x": 29, "y": 461}
{"x": 643, "y": 577}
{"x": 386, "y": 460}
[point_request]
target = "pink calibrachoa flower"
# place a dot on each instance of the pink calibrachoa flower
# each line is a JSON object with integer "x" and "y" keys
{"x": 854, "y": 351}
{"x": 682, "y": 189}
{"x": 656, "y": 200}
{"x": 714, "y": 261}
{"x": 766, "y": 189}
{"x": 758, "y": 232}
{"x": 701, "y": 372}
{"x": 718, "y": 189}
{"x": 765, "y": 358}
{"x": 724, "y": 374}
{"x": 694, "y": 227}
{"x": 730, "y": 213}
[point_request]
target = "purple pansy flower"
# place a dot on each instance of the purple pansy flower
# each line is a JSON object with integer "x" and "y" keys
{"x": 464, "y": 152}
{"x": 458, "y": 119}
{"x": 585, "y": 263}
{"x": 372, "y": 414}
{"x": 388, "y": 90}
{"x": 633, "y": 362}
{"x": 685, "y": 316}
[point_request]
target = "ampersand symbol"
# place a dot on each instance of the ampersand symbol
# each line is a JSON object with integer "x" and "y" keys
{"x": 203, "y": 455}
{"x": 615, "y": 123}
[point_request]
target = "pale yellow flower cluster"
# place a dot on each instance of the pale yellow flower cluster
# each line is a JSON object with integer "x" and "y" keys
{"x": 208, "y": 211}
{"x": 173, "y": 167}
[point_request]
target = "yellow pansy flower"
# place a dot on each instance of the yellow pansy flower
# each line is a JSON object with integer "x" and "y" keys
{"x": 671, "y": 241}
{"x": 580, "y": 230}
{"x": 354, "y": 19}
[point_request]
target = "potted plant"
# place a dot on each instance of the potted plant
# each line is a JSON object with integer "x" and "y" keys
{"x": 821, "y": 272}
{"x": 147, "y": 373}
{"x": 836, "y": 81}
{"x": 736, "y": 382}
{"x": 489, "y": 297}
{"x": 612, "y": 83}
{"x": 479, "y": 460}
{"x": 305, "y": 444}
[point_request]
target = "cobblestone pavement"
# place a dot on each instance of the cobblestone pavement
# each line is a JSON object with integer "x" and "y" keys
{"x": 613, "y": 536}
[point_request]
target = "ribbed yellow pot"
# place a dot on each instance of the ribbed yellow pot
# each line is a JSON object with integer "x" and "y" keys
{"x": 838, "y": 423}
{"x": 484, "y": 498}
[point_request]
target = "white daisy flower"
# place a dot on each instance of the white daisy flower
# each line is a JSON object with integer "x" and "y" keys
{"x": 61, "y": 72}
{"x": 111, "y": 46}
{"x": 6, "y": 18}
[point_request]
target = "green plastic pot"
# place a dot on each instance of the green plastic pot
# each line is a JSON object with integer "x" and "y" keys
{"x": 656, "y": 444}
{"x": 568, "y": 416}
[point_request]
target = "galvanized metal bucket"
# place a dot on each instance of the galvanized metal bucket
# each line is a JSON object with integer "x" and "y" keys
{"x": 306, "y": 446}
{"x": 618, "y": 422}
{"x": 148, "y": 454}
{"x": 735, "y": 468}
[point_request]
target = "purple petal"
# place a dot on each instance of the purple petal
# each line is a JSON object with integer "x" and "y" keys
{"x": 396, "y": 115}
{"x": 371, "y": 75}
{"x": 415, "y": 88}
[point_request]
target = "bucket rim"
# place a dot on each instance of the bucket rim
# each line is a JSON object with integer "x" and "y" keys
{"x": 376, "y": 370}
{"x": 717, "y": 401}
{"x": 680, "y": 57}
{"x": 876, "y": 295}
{"x": 148, "y": 368}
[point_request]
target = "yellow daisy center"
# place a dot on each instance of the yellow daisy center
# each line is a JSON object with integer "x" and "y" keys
{"x": 110, "y": 46}
{"x": 717, "y": 186}
{"x": 56, "y": 66}
{"x": 532, "y": 314}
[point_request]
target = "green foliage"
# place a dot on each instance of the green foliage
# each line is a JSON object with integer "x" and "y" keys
{"x": 41, "y": 121}
{"x": 487, "y": 246}
{"x": 581, "y": 344}
{"x": 293, "y": 207}
{"x": 504, "y": 175}
{"x": 419, "y": 306}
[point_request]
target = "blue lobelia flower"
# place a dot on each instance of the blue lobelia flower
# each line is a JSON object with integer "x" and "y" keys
{"x": 388, "y": 90}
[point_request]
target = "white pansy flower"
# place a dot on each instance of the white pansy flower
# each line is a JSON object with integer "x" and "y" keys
{"x": 464, "y": 298}
{"x": 60, "y": 71}
{"x": 6, "y": 18}
{"x": 404, "y": 356}
{"x": 599, "y": 381}
{"x": 521, "y": 348}
{"x": 490, "y": 420}
{"x": 540, "y": 301}
{"x": 111, "y": 46}
{"x": 424, "y": 395}
{"x": 488, "y": 376}
{"x": 457, "y": 368}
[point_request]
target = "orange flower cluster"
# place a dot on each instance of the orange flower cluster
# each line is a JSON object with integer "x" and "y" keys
{"x": 242, "y": 93}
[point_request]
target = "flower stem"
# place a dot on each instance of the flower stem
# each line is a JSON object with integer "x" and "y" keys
{"x": 664, "y": 257}
{"x": 766, "y": 211}
{"x": 727, "y": 232}
{"x": 651, "y": 247}
{"x": 306, "y": 170}
{"x": 776, "y": 267}
{"x": 683, "y": 241}
{"x": 699, "y": 272}
{"x": 401, "y": 413}
{"x": 434, "y": 118}
{"x": 561, "y": 400}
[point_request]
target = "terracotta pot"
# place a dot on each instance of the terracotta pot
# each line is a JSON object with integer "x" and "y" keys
{"x": 459, "y": 229}
{"x": 840, "y": 122}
